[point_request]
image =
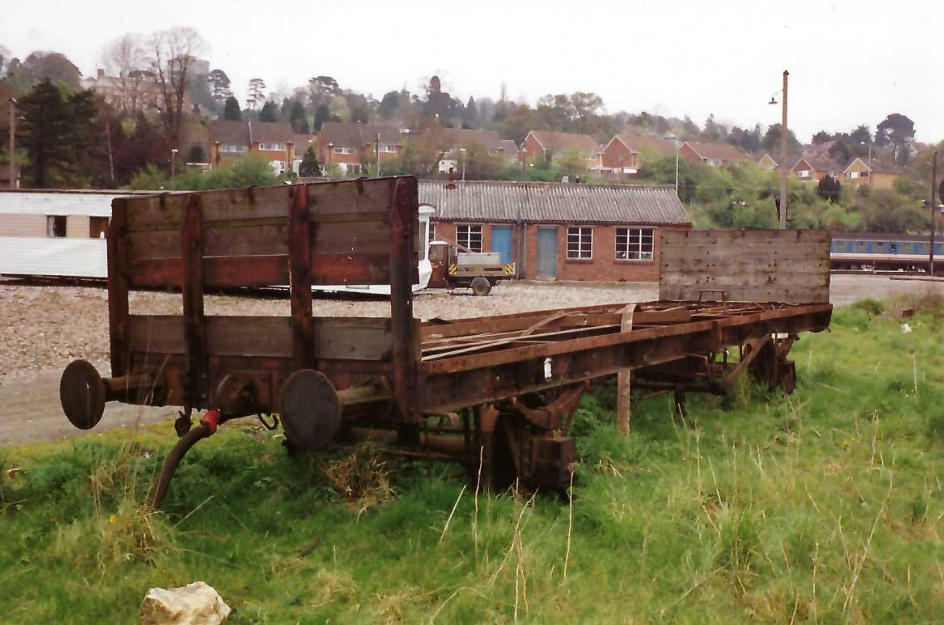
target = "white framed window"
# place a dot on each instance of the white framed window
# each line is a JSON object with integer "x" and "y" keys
{"x": 389, "y": 149}
{"x": 229, "y": 148}
{"x": 272, "y": 147}
{"x": 580, "y": 242}
{"x": 804, "y": 173}
{"x": 432, "y": 231}
{"x": 469, "y": 236}
{"x": 634, "y": 243}
{"x": 344, "y": 150}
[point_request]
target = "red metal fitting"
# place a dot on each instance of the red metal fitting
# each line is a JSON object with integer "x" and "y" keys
{"x": 211, "y": 419}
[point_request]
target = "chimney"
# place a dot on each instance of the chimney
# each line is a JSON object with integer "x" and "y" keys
{"x": 99, "y": 74}
{"x": 452, "y": 183}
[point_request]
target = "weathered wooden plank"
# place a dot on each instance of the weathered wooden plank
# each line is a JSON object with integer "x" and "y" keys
{"x": 254, "y": 271}
{"x": 335, "y": 338}
{"x": 790, "y": 266}
{"x": 403, "y": 196}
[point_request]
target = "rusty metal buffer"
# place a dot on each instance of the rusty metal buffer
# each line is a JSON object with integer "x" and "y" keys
{"x": 495, "y": 393}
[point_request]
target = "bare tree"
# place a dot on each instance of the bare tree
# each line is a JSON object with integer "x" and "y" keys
{"x": 172, "y": 54}
{"x": 125, "y": 63}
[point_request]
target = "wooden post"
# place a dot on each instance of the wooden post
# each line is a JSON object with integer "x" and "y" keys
{"x": 191, "y": 238}
{"x": 403, "y": 271}
{"x": 118, "y": 311}
{"x": 624, "y": 379}
{"x": 299, "y": 265}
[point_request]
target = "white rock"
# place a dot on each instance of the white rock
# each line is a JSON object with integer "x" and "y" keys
{"x": 905, "y": 328}
{"x": 193, "y": 604}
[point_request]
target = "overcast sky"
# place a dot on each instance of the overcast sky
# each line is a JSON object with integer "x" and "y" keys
{"x": 850, "y": 62}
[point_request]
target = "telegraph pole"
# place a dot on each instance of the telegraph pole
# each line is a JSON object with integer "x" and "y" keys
{"x": 783, "y": 157}
{"x": 378, "y": 154}
{"x": 12, "y": 143}
{"x": 933, "y": 212}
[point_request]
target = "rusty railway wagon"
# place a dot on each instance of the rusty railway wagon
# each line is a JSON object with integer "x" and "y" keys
{"x": 495, "y": 393}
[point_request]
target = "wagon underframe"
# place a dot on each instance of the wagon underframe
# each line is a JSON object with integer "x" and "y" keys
{"x": 496, "y": 393}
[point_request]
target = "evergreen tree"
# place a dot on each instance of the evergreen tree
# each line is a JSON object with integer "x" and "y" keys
{"x": 828, "y": 189}
{"x": 231, "y": 110}
{"x": 56, "y": 133}
{"x": 309, "y": 167}
{"x": 297, "y": 118}
{"x": 269, "y": 112}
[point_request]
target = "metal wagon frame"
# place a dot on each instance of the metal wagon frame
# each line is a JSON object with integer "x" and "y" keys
{"x": 496, "y": 393}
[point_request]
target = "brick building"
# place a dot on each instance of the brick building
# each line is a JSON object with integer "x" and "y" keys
{"x": 625, "y": 153}
{"x": 561, "y": 231}
{"x": 351, "y": 144}
{"x": 878, "y": 174}
{"x": 712, "y": 154}
{"x": 541, "y": 144}
{"x": 813, "y": 168}
{"x": 229, "y": 140}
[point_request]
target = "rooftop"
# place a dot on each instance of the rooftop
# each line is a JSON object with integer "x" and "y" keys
{"x": 553, "y": 202}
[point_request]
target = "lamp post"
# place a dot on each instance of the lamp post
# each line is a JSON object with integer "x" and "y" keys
{"x": 13, "y": 143}
{"x": 173, "y": 162}
{"x": 783, "y": 155}
{"x": 678, "y": 146}
{"x": 870, "y": 157}
{"x": 462, "y": 150}
{"x": 933, "y": 211}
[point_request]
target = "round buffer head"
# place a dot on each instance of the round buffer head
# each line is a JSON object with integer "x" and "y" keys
{"x": 82, "y": 394}
{"x": 311, "y": 410}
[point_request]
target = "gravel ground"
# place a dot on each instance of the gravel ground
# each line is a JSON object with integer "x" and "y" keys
{"x": 49, "y": 326}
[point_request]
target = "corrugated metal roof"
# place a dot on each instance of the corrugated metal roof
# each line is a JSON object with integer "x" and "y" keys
{"x": 551, "y": 202}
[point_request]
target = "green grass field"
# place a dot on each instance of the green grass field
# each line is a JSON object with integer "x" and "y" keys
{"x": 826, "y": 506}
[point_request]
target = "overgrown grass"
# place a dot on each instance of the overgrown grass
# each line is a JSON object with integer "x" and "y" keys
{"x": 823, "y": 507}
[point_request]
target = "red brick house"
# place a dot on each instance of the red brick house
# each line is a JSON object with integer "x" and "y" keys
{"x": 450, "y": 141}
{"x": 540, "y": 144}
{"x": 559, "y": 231}
{"x": 351, "y": 144}
{"x": 229, "y": 140}
{"x": 813, "y": 169}
{"x": 767, "y": 162}
{"x": 712, "y": 154}
{"x": 622, "y": 155}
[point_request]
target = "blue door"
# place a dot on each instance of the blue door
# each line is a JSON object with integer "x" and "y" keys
{"x": 547, "y": 254}
{"x": 501, "y": 242}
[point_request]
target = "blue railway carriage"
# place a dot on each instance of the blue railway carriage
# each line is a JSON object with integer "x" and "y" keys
{"x": 865, "y": 251}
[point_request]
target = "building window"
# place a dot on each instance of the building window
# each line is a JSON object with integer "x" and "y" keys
{"x": 56, "y": 226}
{"x": 98, "y": 227}
{"x": 344, "y": 150}
{"x": 432, "y": 231}
{"x": 389, "y": 149}
{"x": 469, "y": 237}
{"x": 272, "y": 147}
{"x": 580, "y": 242}
{"x": 634, "y": 243}
{"x": 233, "y": 149}
{"x": 804, "y": 173}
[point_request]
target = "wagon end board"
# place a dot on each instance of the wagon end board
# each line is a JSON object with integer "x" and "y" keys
{"x": 786, "y": 266}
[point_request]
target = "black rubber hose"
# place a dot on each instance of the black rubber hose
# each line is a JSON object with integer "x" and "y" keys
{"x": 172, "y": 461}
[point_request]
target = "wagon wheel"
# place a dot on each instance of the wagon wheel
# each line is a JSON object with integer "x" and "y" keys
{"x": 311, "y": 410}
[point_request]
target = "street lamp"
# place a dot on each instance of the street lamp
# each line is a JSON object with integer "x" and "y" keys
{"x": 13, "y": 104}
{"x": 870, "y": 157}
{"x": 678, "y": 146}
{"x": 783, "y": 154}
{"x": 463, "y": 163}
{"x": 173, "y": 161}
